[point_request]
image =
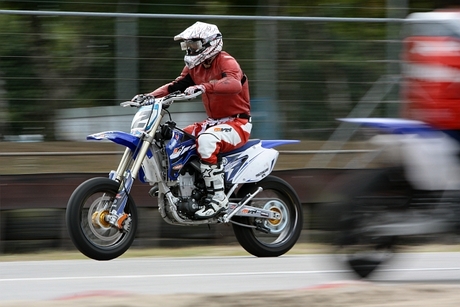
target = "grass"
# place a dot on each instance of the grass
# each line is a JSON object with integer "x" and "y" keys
{"x": 196, "y": 251}
{"x": 211, "y": 251}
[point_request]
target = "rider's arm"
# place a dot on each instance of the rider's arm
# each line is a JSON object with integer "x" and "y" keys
{"x": 180, "y": 84}
{"x": 232, "y": 76}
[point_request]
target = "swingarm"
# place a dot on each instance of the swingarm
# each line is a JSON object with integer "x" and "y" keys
{"x": 242, "y": 209}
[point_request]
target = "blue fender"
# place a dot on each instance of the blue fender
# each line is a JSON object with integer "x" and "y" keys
{"x": 119, "y": 137}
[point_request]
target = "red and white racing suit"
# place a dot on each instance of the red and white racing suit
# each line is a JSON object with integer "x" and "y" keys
{"x": 226, "y": 101}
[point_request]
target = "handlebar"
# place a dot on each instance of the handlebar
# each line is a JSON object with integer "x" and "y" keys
{"x": 166, "y": 101}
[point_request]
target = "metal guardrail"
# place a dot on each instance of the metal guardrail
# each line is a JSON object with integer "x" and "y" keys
{"x": 105, "y": 153}
{"x": 198, "y": 17}
{"x": 60, "y": 153}
{"x": 314, "y": 152}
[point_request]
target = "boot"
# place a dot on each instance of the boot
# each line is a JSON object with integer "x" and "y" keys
{"x": 216, "y": 200}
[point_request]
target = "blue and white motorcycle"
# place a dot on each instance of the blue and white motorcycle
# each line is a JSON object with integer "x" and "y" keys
{"x": 412, "y": 193}
{"x": 264, "y": 210}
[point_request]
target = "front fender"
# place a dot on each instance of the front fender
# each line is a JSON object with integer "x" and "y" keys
{"x": 119, "y": 137}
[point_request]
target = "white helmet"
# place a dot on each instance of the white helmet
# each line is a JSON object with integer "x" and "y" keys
{"x": 201, "y": 41}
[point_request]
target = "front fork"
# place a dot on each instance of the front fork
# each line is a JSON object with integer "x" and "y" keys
{"x": 117, "y": 215}
{"x": 125, "y": 177}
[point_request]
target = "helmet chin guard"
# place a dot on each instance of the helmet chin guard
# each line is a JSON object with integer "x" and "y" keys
{"x": 201, "y": 41}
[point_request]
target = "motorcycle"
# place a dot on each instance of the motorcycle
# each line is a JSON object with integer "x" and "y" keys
{"x": 264, "y": 210}
{"x": 411, "y": 196}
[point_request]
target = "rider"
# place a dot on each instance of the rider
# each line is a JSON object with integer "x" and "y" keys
{"x": 226, "y": 99}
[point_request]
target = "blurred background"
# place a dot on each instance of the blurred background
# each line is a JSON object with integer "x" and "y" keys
{"x": 303, "y": 73}
{"x": 63, "y": 76}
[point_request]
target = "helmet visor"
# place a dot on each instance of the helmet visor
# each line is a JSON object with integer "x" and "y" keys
{"x": 193, "y": 46}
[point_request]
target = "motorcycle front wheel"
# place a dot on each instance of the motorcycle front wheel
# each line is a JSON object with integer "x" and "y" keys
{"x": 89, "y": 231}
{"x": 266, "y": 237}
{"x": 363, "y": 252}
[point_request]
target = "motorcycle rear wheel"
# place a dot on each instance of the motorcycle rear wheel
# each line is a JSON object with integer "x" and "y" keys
{"x": 278, "y": 196}
{"x": 89, "y": 232}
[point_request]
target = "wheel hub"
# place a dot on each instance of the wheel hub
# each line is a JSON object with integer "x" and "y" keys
{"x": 99, "y": 220}
{"x": 276, "y": 222}
{"x": 277, "y": 225}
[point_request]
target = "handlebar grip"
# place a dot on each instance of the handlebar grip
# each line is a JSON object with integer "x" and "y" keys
{"x": 129, "y": 103}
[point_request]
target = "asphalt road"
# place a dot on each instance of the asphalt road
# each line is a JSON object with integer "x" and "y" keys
{"x": 50, "y": 280}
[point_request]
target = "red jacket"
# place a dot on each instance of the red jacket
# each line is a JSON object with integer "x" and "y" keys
{"x": 431, "y": 75}
{"x": 227, "y": 90}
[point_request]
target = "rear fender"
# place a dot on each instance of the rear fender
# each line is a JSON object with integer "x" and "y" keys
{"x": 250, "y": 165}
{"x": 274, "y": 143}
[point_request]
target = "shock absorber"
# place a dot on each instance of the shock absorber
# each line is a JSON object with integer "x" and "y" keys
{"x": 117, "y": 216}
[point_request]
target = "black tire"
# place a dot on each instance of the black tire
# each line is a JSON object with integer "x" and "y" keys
{"x": 91, "y": 236}
{"x": 361, "y": 251}
{"x": 388, "y": 198}
{"x": 277, "y": 195}
{"x": 364, "y": 254}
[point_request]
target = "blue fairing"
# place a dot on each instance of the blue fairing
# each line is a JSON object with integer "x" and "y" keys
{"x": 180, "y": 149}
{"x": 119, "y": 137}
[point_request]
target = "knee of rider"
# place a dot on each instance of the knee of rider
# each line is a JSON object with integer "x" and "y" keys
{"x": 207, "y": 146}
{"x": 207, "y": 140}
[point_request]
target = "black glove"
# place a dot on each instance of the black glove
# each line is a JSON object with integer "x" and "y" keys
{"x": 143, "y": 99}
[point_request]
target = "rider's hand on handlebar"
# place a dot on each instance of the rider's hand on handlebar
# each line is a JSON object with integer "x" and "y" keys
{"x": 143, "y": 99}
{"x": 138, "y": 98}
{"x": 195, "y": 88}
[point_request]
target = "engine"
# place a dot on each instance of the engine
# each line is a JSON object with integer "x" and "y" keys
{"x": 190, "y": 191}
